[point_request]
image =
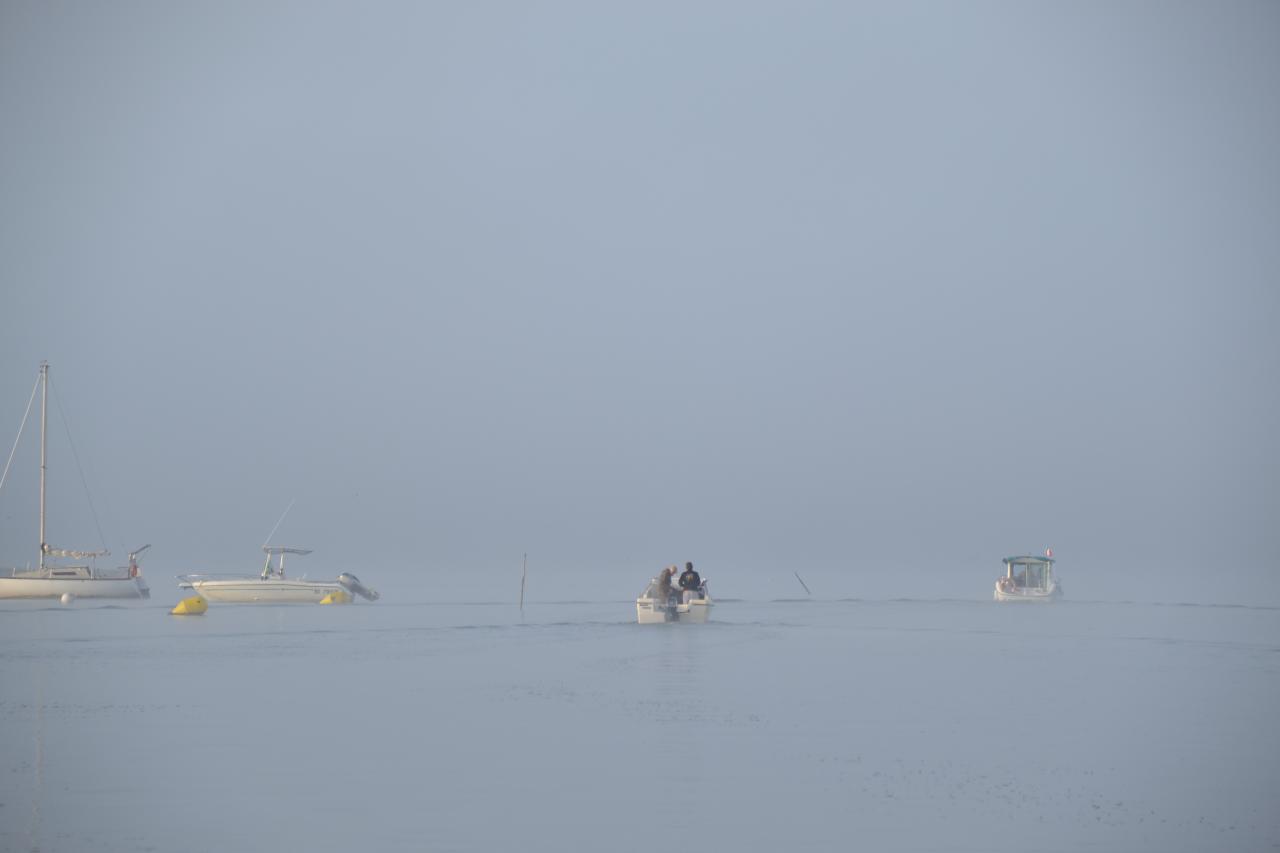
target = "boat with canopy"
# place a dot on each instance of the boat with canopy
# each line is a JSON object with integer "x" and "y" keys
{"x": 272, "y": 586}
{"x": 1028, "y": 578}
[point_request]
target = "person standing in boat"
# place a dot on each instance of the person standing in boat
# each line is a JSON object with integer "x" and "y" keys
{"x": 664, "y": 585}
{"x": 690, "y": 583}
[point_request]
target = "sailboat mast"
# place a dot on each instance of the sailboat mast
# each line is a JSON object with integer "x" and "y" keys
{"x": 44, "y": 429}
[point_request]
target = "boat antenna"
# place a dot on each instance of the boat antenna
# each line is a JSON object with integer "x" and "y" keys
{"x": 524, "y": 570}
{"x": 802, "y": 583}
{"x": 21, "y": 427}
{"x": 278, "y": 523}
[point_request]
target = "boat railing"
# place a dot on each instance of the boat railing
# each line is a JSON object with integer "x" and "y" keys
{"x": 82, "y": 572}
{"x": 232, "y": 576}
{"x": 193, "y": 577}
{"x": 114, "y": 574}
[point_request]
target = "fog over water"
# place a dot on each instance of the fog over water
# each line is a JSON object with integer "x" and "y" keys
{"x": 875, "y": 293}
{"x": 860, "y": 288}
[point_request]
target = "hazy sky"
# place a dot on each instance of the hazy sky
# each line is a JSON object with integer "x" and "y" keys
{"x": 848, "y": 288}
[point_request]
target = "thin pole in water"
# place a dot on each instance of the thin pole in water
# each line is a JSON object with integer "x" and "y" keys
{"x": 802, "y": 583}
{"x": 524, "y": 570}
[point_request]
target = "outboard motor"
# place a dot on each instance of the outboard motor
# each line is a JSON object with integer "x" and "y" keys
{"x": 352, "y": 584}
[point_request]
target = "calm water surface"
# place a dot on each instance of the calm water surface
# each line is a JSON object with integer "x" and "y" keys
{"x": 796, "y": 725}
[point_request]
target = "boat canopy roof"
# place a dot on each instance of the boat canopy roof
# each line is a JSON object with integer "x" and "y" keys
{"x": 276, "y": 549}
{"x": 1029, "y": 560}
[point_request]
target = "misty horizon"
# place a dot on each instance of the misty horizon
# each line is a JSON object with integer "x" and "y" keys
{"x": 880, "y": 294}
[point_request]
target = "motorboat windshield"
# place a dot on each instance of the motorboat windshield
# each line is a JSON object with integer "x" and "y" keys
{"x": 1029, "y": 572}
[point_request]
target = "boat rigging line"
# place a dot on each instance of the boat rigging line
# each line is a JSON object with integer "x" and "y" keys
{"x": 66, "y": 426}
{"x": 21, "y": 427}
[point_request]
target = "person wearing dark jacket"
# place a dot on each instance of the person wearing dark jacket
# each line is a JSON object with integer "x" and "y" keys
{"x": 690, "y": 582}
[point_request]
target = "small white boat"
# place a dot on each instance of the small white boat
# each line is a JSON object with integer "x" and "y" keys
{"x": 272, "y": 586}
{"x": 67, "y": 582}
{"x": 1028, "y": 579}
{"x": 681, "y": 606}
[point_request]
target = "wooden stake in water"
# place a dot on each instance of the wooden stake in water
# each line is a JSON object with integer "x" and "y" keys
{"x": 524, "y": 570}
{"x": 802, "y": 583}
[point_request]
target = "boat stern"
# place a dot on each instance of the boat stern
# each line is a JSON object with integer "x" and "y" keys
{"x": 649, "y": 613}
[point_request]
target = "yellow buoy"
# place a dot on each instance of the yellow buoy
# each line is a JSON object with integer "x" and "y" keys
{"x": 192, "y": 606}
{"x": 338, "y": 596}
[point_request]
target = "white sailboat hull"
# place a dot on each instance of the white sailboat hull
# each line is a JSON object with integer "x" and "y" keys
{"x": 20, "y": 587}
{"x": 268, "y": 591}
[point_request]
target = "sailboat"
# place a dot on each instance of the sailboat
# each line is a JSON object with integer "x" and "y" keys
{"x": 56, "y": 580}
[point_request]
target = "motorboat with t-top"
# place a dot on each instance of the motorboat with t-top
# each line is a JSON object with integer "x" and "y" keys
{"x": 51, "y": 579}
{"x": 272, "y": 586}
{"x": 1028, "y": 578}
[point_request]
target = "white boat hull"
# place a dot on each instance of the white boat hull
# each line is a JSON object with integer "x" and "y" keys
{"x": 648, "y": 611}
{"x": 270, "y": 591}
{"x": 19, "y": 587}
{"x": 1043, "y": 596}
